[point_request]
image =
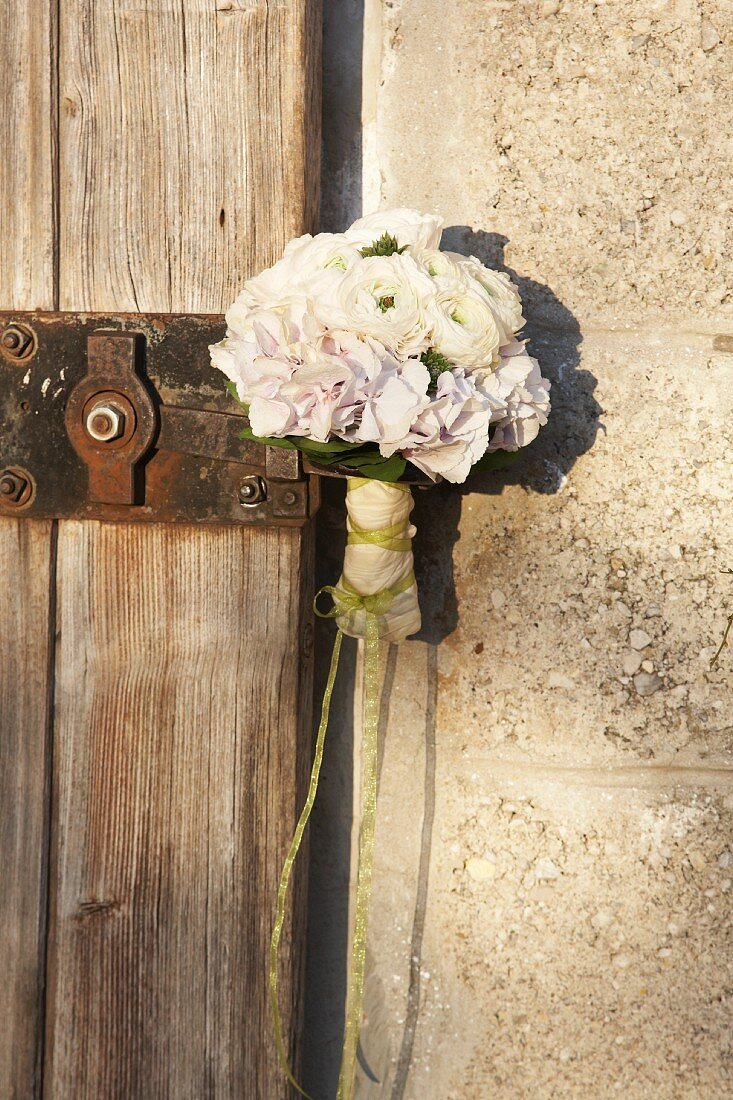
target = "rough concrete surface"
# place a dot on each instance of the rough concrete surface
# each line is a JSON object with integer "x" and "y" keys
{"x": 596, "y": 137}
{"x": 551, "y": 904}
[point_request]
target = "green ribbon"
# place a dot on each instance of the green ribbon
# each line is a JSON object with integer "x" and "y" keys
{"x": 366, "y": 858}
{"x": 347, "y": 601}
{"x": 290, "y": 860}
{"x": 386, "y": 537}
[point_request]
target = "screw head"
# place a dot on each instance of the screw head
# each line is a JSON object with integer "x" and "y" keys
{"x": 252, "y": 491}
{"x": 105, "y": 422}
{"x": 289, "y": 497}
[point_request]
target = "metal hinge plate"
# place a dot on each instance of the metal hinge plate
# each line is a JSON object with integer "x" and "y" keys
{"x": 121, "y": 417}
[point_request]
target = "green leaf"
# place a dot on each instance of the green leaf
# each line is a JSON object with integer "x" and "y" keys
{"x": 270, "y": 441}
{"x": 383, "y": 469}
{"x": 232, "y": 390}
{"x": 323, "y": 460}
{"x": 331, "y": 446}
{"x": 495, "y": 460}
{"x": 386, "y": 246}
{"x": 368, "y": 458}
{"x": 391, "y": 469}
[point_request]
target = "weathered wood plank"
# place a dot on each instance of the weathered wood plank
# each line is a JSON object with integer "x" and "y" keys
{"x": 180, "y": 690}
{"x": 189, "y": 154}
{"x": 28, "y": 143}
{"x": 189, "y": 147}
{"x": 27, "y": 230}
{"x": 27, "y": 552}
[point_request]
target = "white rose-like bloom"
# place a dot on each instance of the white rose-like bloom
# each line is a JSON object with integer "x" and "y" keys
{"x": 410, "y": 227}
{"x": 307, "y": 267}
{"x": 463, "y": 325}
{"x": 374, "y": 506}
{"x": 440, "y": 265}
{"x": 382, "y": 298}
{"x": 525, "y": 395}
{"x": 501, "y": 294}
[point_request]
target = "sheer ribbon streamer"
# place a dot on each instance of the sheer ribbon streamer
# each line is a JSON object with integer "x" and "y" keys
{"x": 364, "y": 614}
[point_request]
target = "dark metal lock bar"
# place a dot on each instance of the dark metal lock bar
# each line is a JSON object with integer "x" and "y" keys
{"x": 121, "y": 417}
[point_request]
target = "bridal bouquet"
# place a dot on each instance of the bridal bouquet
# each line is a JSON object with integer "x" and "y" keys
{"x": 374, "y": 351}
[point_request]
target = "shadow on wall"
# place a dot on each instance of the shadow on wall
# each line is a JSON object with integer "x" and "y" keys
{"x": 330, "y": 826}
{"x": 341, "y": 152}
{"x": 330, "y": 829}
{"x": 555, "y": 339}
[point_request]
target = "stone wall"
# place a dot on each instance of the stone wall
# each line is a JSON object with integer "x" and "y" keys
{"x": 551, "y": 913}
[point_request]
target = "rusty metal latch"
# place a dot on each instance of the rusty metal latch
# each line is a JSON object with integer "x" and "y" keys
{"x": 121, "y": 417}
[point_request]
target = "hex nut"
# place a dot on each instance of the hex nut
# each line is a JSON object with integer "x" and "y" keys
{"x": 16, "y": 487}
{"x": 105, "y": 422}
{"x": 252, "y": 491}
{"x": 18, "y": 342}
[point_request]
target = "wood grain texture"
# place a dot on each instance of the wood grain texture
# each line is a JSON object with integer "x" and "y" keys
{"x": 27, "y": 231}
{"x": 28, "y": 162}
{"x": 189, "y": 155}
{"x": 189, "y": 147}
{"x": 27, "y": 553}
{"x": 181, "y": 739}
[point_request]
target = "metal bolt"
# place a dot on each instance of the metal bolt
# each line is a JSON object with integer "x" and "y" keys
{"x": 18, "y": 342}
{"x": 14, "y": 487}
{"x": 252, "y": 491}
{"x": 105, "y": 422}
{"x": 289, "y": 497}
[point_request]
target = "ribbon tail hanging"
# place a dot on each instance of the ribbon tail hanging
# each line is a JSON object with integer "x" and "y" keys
{"x": 366, "y": 858}
{"x": 389, "y": 610}
{"x": 288, "y": 866}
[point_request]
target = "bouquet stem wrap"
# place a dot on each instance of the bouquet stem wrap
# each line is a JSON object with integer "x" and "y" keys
{"x": 378, "y": 562}
{"x": 375, "y": 598}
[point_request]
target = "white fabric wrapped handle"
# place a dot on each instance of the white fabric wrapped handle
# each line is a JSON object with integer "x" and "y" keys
{"x": 379, "y": 558}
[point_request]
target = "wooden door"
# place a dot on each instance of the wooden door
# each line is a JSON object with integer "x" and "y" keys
{"x": 154, "y": 684}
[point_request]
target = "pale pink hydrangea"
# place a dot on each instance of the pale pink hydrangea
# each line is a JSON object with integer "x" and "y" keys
{"x": 521, "y": 398}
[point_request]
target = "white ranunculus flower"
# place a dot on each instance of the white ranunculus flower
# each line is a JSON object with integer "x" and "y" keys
{"x": 408, "y": 226}
{"x": 382, "y": 298}
{"x": 310, "y": 257}
{"x": 440, "y": 265}
{"x": 258, "y": 292}
{"x": 501, "y": 293}
{"x": 307, "y": 267}
{"x": 463, "y": 326}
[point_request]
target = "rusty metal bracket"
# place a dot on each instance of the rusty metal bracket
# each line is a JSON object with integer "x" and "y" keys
{"x": 121, "y": 417}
